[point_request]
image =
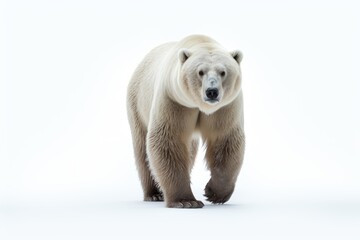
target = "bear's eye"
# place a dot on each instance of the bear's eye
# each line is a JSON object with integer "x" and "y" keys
{"x": 201, "y": 73}
{"x": 222, "y": 73}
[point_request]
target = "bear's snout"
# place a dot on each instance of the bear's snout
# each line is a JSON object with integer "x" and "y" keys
{"x": 212, "y": 93}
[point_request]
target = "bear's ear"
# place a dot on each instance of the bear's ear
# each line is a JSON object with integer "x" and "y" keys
{"x": 237, "y": 55}
{"x": 184, "y": 54}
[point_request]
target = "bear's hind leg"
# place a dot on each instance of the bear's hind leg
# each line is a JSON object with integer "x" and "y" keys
{"x": 151, "y": 189}
{"x": 193, "y": 151}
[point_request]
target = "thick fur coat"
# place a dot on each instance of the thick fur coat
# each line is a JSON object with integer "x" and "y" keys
{"x": 182, "y": 90}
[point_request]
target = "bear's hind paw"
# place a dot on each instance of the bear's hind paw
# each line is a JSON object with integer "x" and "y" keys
{"x": 154, "y": 198}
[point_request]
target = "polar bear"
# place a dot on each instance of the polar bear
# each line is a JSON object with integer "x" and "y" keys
{"x": 179, "y": 92}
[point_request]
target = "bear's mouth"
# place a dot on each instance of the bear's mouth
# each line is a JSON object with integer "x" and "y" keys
{"x": 212, "y": 101}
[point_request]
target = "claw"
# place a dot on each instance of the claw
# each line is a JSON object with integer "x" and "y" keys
{"x": 186, "y": 204}
{"x": 154, "y": 198}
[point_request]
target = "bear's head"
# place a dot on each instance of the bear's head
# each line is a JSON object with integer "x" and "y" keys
{"x": 211, "y": 79}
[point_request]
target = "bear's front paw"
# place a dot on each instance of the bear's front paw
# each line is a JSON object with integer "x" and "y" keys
{"x": 217, "y": 194}
{"x": 186, "y": 204}
{"x": 158, "y": 197}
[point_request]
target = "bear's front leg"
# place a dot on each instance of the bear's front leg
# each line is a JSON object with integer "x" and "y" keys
{"x": 224, "y": 156}
{"x": 168, "y": 145}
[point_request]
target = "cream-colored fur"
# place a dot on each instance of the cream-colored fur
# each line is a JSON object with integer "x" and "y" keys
{"x": 171, "y": 98}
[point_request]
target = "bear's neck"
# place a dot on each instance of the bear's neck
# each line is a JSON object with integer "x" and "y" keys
{"x": 176, "y": 91}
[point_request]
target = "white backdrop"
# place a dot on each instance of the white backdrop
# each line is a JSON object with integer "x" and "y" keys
{"x": 65, "y": 141}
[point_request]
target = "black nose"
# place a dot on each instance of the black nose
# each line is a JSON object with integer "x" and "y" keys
{"x": 212, "y": 93}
